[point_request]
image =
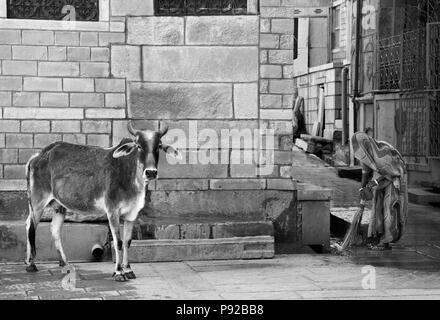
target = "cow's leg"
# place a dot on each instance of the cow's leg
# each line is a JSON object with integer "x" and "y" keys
{"x": 113, "y": 219}
{"x": 35, "y": 212}
{"x": 128, "y": 233}
{"x": 31, "y": 228}
{"x": 56, "y": 227}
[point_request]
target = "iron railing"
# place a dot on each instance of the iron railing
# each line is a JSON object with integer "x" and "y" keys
{"x": 418, "y": 124}
{"x": 411, "y": 125}
{"x": 413, "y": 55}
{"x": 200, "y": 7}
{"x": 79, "y": 10}
{"x": 433, "y": 79}
{"x": 402, "y": 61}
{"x": 433, "y": 64}
{"x": 434, "y": 124}
{"x": 416, "y": 73}
{"x": 389, "y": 58}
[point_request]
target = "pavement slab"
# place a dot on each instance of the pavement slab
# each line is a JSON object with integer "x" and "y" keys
{"x": 307, "y": 276}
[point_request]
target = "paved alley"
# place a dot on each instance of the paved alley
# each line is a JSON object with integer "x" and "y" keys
{"x": 410, "y": 271}
{"x": 285, "y": 277}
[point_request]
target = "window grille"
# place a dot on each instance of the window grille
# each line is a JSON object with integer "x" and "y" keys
{"x": 73, "y": 10}
{"x": 200, "y": 7}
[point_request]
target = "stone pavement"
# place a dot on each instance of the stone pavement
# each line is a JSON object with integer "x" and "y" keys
{"x": 399, "y": 274}
{"x": 410, "y": 271}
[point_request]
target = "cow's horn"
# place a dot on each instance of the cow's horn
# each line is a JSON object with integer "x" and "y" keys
{"x": 130, "y": 128}
{"x": 164, "y": 129}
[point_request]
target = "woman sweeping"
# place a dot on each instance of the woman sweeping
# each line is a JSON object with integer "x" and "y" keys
{"x": 384, "y": 180}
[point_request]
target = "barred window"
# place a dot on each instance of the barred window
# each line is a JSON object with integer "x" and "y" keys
{"x": 70, "y": 10}
{"x": 200, "y": 7}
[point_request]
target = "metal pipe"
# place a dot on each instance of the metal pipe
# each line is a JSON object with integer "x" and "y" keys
{"x": 357, "y": 60}
{"x": 344, "y": 77}
{"x": 97, "y": 251}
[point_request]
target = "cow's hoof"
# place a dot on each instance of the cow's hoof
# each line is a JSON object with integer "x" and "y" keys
{"x": 130, "y": 275}
{"x": 31, "y": 268}
{"x": 62, "y": 264}
{"x": 120, "y": 277}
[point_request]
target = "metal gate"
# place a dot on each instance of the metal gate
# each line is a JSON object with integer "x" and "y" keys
{"x": 433, "y": 86}
{"x": 418, "y": 116}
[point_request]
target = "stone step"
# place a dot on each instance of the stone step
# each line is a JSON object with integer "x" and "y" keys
{"x": 353, "y": 173}
{"x": 262, "y": 247}
{"x": 174, "y": 230}
{"x": 433, "y": 185}
{"x": 422, "y": 196}
{"x": 78, "y": 240}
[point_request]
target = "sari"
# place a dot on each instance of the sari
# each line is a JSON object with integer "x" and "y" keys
{"x": 390, "y": 196}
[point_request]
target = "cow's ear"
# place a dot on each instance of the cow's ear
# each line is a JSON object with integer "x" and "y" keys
{"x": 125, "y": 150}
{"x": 171, "y": 151}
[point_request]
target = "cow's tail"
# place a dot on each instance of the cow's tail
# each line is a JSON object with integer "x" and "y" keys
{"x": 31, "y": 225}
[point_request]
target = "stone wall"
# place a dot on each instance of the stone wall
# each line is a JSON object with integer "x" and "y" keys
{"x": 81, "y": 85}
{"x": 56, "y": 84}
{"x": 209, "y": 78}
{"x": 276, "y": 77}
{"x": 196, "y": 74}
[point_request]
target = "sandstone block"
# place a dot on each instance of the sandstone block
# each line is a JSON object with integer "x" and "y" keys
{"x": 180, "y": 101}
{"x": 126, "y": 62}
{"x": 35, "y": 126}
{"x": 210, "y": 64}
{"x": 131, "y": 8}
{"x": 155, "y": 30}
{"x": 246, "y": 101}
{"x": 29, "y": 53}
{"x": 222, "y": 30}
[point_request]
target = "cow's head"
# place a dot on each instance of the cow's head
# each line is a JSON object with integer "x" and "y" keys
{"x": 148, "y": 143}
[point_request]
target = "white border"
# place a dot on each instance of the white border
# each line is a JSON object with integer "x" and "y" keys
{"x": 102, "y": 25}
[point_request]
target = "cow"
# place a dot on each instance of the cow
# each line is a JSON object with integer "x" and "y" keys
{"x": 87, "y": 179}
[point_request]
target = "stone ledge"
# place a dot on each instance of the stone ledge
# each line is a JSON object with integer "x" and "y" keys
{"x": 282, "y": 184}
{"x": 182, "y": 184}
{"x": 202, "y": 249}
{"x": 54, "y": 25}
{"x": 242, "y": 229}
{"x": 422, "y": 196}
{"x": 308, "y": 192}
{"x": 237, "y": 184}
{"x": 162, "y": 230}
{"x": 78, "y": 240}
{"x": 224, "y": 205}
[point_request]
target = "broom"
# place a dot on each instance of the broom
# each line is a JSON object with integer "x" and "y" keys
{"x": 350, "y": 236}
